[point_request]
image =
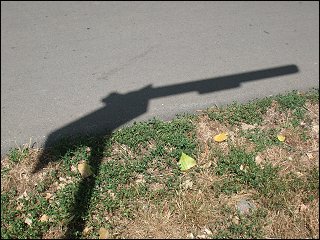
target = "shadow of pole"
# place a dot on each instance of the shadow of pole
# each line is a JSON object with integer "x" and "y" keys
{"x": 122, "y": 108}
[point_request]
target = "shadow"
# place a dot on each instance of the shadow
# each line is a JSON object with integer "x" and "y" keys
{"x": 120, "y": 109}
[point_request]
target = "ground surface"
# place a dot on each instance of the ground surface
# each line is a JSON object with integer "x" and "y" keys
{"x": 253, "y": 184}
{"x": 59, "y": 60}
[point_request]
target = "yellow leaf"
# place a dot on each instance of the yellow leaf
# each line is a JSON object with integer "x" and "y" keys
{"x": 104, "y": 233}
{"x": 220, "y": 137}
{"x": 186, "y": 162}
{"x": 281, "y": 138}
{"x": 85, "y": 170}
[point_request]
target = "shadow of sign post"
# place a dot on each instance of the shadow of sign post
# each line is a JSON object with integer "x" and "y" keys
{"x": 122, "y": 108}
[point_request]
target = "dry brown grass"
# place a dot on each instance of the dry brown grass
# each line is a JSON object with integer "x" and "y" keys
{"x": 303, "y": 223}
{"x": 195, "y": 210}
{"x": 21, "y": 175}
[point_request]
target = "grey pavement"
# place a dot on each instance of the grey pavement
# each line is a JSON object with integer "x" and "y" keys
{"x": 59, "y": 60}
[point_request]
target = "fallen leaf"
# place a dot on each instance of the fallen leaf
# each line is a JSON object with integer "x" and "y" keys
{"x": 303, "y": 207}
{"x": 62, "y": 179}
{"x": 87, "y": 230}
{"x": 103, "y": 233}
{"x": 140, "y": 179}
{"x": 73, "y": 168}
{"x": 85, "y": 170}
{"x": 186, "y": 162}
{"x": 44, "y": 218}
{"x": 28, "y": 221}
{"x": 208, "y": 231}
{"x": 88, "y": 149}
{"x": 19, "y": 207}
{"x": 245, "y": 126}
{"x": 235, "y": 220}
{"x": 315, "y": 128}
{"x": 23, "y": 195}
{"x": 112, "y": 195}
{"x": 310, "y": 155}
{"x": 281, "y": 138}
{"x": 48, "y": 196}
{"x": 187, "y": 184}
{"x": 202, "y": 236}
{"x": 220, "y": 137}
{"x": 258, "y": 159}
{"x": 207, "y": 165}
{"x": 156, "y": 186}
{"x": 190, "y": 235}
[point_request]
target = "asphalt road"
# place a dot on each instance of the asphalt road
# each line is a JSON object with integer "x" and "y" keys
{"x": 62, "y": 63}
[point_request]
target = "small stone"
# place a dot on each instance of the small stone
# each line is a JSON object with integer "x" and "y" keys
{"x": 244, "y": 206}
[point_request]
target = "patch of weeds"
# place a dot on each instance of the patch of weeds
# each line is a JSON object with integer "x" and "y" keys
{"x": 4, "y": 171}
{"x": 262, "y": 138}
{"x": 291, "y": 100}
{"x": 313, "y": 180}
{"x": 170, "y": 137}
{"x": 13, "y": 218}
{"x": 313, "y": 95}
{"x": 248, "y": 227}
{"x": 228, "y": 186}
{"x": 281, "y": 191}
{"x": 243, "y": 167}
{"x": 250, "y": 113}
{"x": 17, "y": 154}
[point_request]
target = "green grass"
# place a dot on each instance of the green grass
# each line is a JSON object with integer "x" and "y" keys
{"x": 250, "y": 113}
{"x": 149, "y": 151}
{"x": 17, "y": 154}
{"x": 251, "y": 175}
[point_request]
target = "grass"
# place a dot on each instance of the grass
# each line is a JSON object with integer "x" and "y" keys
{"x": 138, "y": 191}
